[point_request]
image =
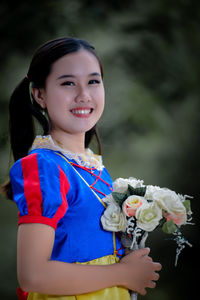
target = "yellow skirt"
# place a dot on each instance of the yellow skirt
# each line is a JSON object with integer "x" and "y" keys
{"x": 115, "y": 293}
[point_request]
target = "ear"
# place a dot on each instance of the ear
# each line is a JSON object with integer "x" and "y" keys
{"x": 39, "y": 96}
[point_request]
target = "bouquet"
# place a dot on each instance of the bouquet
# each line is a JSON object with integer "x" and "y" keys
{"x": 134, "y": 209}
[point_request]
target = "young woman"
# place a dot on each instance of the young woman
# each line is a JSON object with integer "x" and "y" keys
{"x": 58, "y": 184}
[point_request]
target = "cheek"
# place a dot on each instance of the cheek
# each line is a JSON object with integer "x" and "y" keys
{"x": 100, "y": 96}
{"x": 56, "y": 100}
{"x": 100, "y": 106}
{"x": 55, "y": 107}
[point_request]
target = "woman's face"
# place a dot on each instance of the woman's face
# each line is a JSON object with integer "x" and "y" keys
{"x": 74, "y": 93}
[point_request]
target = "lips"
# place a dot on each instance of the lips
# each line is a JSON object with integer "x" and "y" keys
{"x": 82, "y": 112}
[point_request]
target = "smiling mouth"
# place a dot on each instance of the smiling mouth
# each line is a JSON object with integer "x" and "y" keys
{"x": 82, "y": 112}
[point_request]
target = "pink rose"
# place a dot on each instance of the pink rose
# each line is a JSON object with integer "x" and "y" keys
{"x": 131, "y": 204}
{"x": 177, "y": 217}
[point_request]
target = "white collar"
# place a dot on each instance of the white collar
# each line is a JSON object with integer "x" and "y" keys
{"x": 87, "y": 159}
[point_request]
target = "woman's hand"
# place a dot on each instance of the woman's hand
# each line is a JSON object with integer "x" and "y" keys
{"x": 140, "y": 271}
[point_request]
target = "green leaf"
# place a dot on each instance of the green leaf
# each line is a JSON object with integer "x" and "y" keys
{"x": 140, "y": 191}
{"x": 187, "y": 205}
{"x": 119, "y": 198}
{"x": 161, "y": 222}
{"x": 169, "y": 227}
{"x": 131, "y": 189}
{"x": 128, "y": 193}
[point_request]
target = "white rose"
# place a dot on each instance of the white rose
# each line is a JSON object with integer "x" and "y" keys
{"x": 148, "y": 216}
{"x": 120, "y": 185}
{"x": 109, "y": 199}
{"x": 113, "y": 218}
{"x": 170, "y": 202}
{"x": 150, "y": 191}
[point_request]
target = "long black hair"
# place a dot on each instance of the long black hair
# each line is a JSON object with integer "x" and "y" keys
{"x": 22, "y": 108}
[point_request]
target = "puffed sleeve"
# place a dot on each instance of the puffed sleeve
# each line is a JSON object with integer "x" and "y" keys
{"x": 39, "y": 188}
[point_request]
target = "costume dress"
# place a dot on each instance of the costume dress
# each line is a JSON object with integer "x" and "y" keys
{"x": 65, "y": 191}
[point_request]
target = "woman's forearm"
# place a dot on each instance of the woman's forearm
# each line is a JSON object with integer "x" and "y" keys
{"x": 54, "y": 277}
{"x": 38, "y": 273}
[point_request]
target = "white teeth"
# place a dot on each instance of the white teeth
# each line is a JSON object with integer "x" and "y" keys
{"x": 81, "y": 111}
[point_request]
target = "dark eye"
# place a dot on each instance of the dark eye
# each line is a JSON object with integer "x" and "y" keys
{"x": 70, "y": 83}
{"x": 94, "y": 81}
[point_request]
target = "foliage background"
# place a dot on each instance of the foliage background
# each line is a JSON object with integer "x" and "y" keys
{"x": 150, "y": 128}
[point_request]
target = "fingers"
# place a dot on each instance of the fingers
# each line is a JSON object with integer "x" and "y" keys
{"x": 143, "y": 292}
{"x": 151, "y": 285}
{"x": 142, "y": 252}
{"x": 156, "y": 276}
{"x": 142, "y": 269}
{"x": 149, "y": 258}
{"x": 158, "y": 266}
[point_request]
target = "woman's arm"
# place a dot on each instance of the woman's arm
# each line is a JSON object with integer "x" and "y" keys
{"x": 37, "y": 273}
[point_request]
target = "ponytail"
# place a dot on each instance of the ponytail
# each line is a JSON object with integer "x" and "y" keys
{"x": 21, "y": 124}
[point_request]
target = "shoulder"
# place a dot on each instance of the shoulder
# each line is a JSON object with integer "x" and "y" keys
{"x": 43, "y": 156}
{"x": 39, "y": 161}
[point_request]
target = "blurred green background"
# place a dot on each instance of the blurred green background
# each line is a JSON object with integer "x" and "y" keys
{"x": 150, "y": 128}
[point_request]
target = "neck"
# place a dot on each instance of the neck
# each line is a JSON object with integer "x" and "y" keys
{"x": 74, "y": 143}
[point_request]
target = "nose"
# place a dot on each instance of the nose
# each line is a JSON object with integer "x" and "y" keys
{"x": 83, "y": 95}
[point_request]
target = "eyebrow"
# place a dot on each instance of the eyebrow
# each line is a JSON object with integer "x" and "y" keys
{"x": 72, "y": 76}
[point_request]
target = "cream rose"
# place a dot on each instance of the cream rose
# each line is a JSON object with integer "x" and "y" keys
{"x": 148, "y": 216}
{"x": 173, "y": 207}
{"x": 113, "y": 218}
{"x": 151, "y": 190}
{"x": 120, "y": 185}
{"x": 131, "y": 204}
